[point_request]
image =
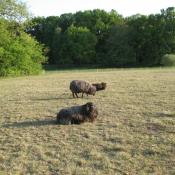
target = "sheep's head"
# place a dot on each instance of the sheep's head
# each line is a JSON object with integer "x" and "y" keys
{"x": 100, "y": 86}
{"x": 92, "y": 90}
{"x": 103, "y": 85}
{"x": 90, "y": 110}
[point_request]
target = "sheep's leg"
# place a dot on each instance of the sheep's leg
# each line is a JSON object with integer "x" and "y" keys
{"x": 82, "y": 95}
{"x": 73, "y": 95}
{"x": 76, "y": 95}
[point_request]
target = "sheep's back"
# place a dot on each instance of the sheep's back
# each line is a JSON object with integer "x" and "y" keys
{"x": 78, "y": 86}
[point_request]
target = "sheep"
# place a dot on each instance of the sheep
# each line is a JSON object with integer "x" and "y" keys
{"x": 80, "y": 86}
{"x": 77, "y": 114}
{"x": 100, "y": 86}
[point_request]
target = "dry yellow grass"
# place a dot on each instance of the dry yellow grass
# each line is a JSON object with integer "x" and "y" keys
{"x": 134, "y": 133}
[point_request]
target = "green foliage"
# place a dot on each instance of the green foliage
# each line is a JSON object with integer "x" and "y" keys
{"x": 44, "y": 30}
{"x": 153, "y": 36}
{"x": 66, "y": 49}
{"x": 119, "y": 52}
{"x": 110, "y": 39}
{"x": 97, "y": 21}
{"x": 78, "y": 46}
{"x": 168, "y": 60}
{"x": 65, "y": 21}
{"x": 20, "y": 54}
{"x": 13, "y": 10}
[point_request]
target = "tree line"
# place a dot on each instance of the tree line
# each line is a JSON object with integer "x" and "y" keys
{"x": 92, "y": 37}
{"x": 106, "y": 38}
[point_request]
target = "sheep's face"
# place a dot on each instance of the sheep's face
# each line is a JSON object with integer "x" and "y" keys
{"x": 92, "y": 90}
{"x": 90, "y": 109}
{"x": 100, "y": 86}
{"x": 103, "y": 85}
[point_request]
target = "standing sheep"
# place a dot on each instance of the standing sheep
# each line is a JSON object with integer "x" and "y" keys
{"x": 80, "y": 86}
{"x": 77, "y": 114}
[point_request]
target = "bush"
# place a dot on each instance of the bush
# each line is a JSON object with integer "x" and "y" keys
{"x": 20, "y": 54}
{"x": 168, "y": 60}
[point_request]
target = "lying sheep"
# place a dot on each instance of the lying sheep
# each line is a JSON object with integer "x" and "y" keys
{"x": 77, "y": 114}
{"x": 79, "y": 86}
{"x": 100, "y": 86}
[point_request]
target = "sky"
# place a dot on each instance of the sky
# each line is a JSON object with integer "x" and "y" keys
{"x": 123, "y": 7}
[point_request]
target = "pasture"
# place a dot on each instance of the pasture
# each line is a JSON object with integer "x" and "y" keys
{"x": 133, "y": 134}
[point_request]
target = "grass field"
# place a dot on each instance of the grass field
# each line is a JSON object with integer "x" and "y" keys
{"x": 134, "y": 133}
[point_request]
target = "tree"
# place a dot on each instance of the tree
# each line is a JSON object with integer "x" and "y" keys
{"x": 168, "y": 24}
{"x": 51, "y": 31}
{"x": 65, "y": 21}
{"x": 117, "y": 41}
{"x": 99, "y": 22}
{"x": 77, "y": 47}
{"x": 56, "y": 45}
{"x": 153, "y": 36}
{"x": 43, "y": 29}
{"x": 119, "y": 51}
{"x": 19, "y": 54}
{"x": 13, "y": 10}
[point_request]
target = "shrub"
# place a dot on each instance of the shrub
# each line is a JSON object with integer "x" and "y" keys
{"x": 168, "y": 60}
{"x": 20, "y": 54}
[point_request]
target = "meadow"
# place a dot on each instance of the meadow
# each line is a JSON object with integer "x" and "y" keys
{"x": 133, "y": 134}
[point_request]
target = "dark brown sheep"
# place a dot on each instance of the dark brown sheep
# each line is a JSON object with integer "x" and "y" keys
{"x": 77, "y": 114}
{"x": 80, "y": 86}
{"x": 100, "y": 86}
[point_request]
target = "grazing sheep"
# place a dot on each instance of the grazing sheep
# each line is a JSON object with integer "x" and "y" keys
{"x": 77, "y": 114}
{"x": 79, "y": 86}
{"x": 100, "y": 86}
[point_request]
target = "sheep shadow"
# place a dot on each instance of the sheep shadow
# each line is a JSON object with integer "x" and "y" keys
{"x": 162, "y": 114}
{"x": 36, "y": 123}
{"x": 61, "y": 98}
{"x": 50, "y": 98}
{"x": 43, "y": 99}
